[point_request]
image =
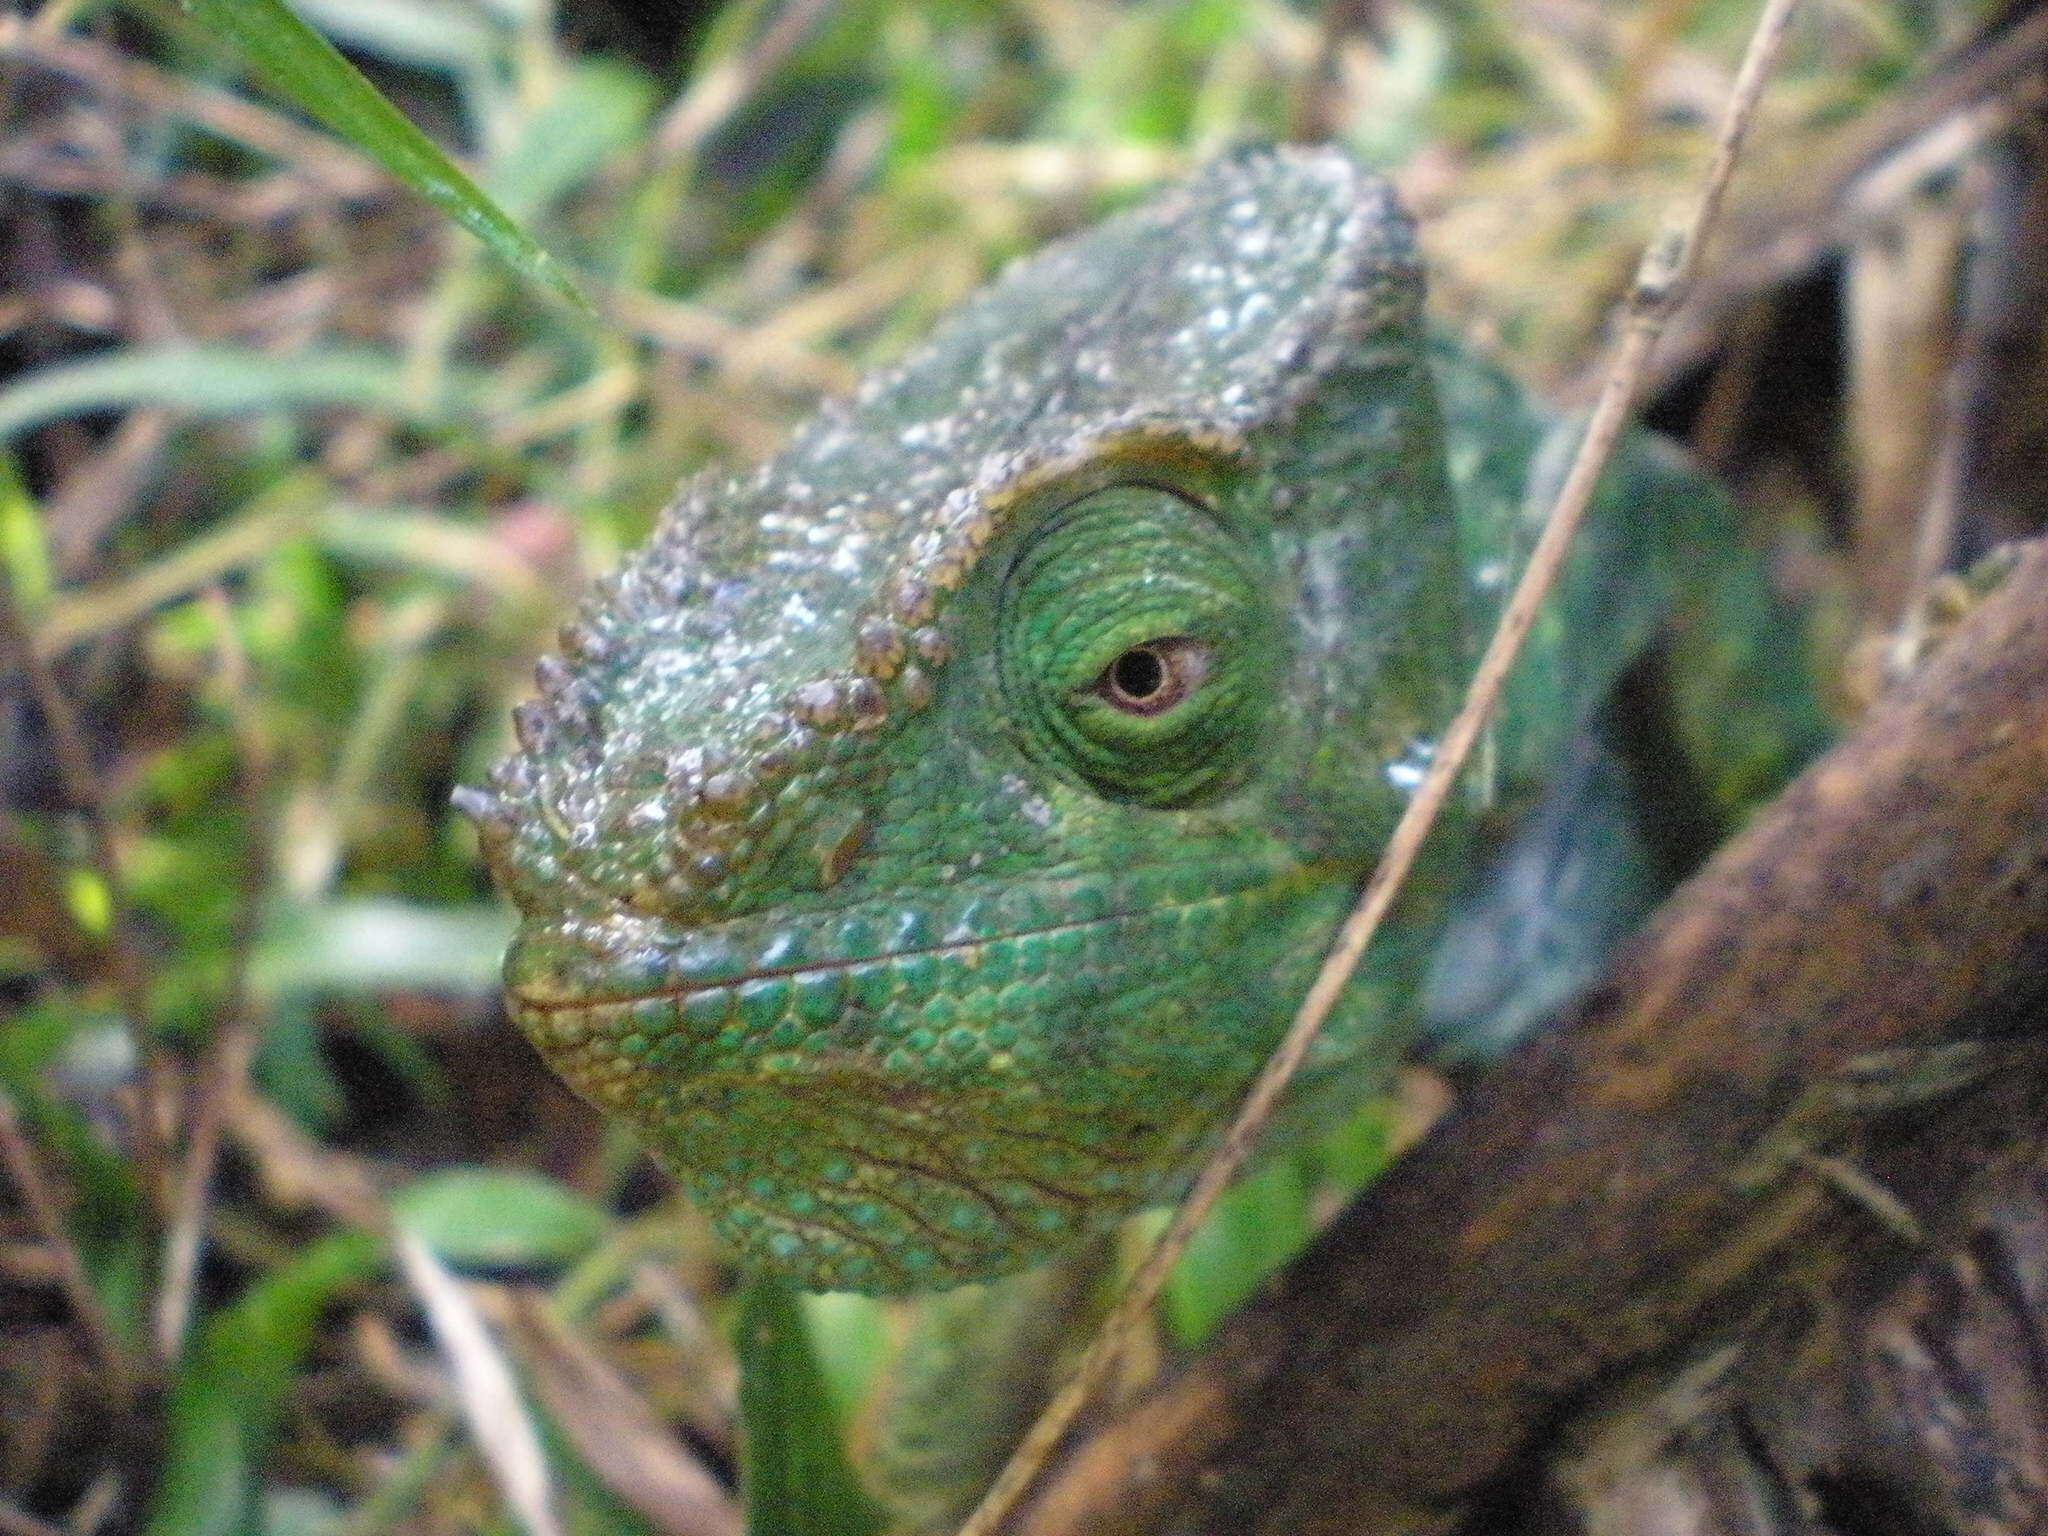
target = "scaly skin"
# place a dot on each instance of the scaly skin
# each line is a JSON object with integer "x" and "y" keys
{"x": 922, "y": 840}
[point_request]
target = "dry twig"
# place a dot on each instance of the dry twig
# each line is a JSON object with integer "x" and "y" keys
{"x": 82, "y": 786}
{"x": 27, "y": 1175}
{"x": 1855, "y": 980}
{"x": 220, "y": 1077}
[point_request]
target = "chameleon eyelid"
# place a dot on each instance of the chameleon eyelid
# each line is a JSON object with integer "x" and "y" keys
{"x": 1153, "y": 676}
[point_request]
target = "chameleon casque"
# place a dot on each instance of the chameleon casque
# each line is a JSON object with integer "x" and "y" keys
{"x": 922, "y": 839}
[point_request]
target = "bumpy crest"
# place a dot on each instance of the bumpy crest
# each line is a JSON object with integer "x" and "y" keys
{"x": 788, "y": 613}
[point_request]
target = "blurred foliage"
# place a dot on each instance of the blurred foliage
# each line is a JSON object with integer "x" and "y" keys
{"x": 309, "y": 71}
{"x": 296, "y": 480}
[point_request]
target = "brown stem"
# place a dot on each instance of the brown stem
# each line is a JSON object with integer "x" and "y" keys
{"x": 26, "y": 1173}
{"x": 83, "y": 788}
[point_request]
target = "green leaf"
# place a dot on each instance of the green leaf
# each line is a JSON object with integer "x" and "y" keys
{"x": 225, "y": 381}
{"x": 24, "y": 553}
{"x": 222, "y": 1406}
{"x": 1268, "y": 1216}
{"x": 499, "y": 1217}
{"x": 1261, "y": 1223}
{"x": 850, "y": 1335}
{"x": 797, "y": 1479}
{"x": 365, "y": 946}
{"x": 307, "y": 70}
{"x": 294, "y": 1071}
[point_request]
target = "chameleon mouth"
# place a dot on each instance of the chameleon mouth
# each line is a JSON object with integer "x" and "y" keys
{"x": 840, "y": 954}
{"x": 877, "y": 1096}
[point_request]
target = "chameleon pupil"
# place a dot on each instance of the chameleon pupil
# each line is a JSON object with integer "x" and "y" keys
{"x": 1140, "y": 673}
{"x": 1152, "y": 678}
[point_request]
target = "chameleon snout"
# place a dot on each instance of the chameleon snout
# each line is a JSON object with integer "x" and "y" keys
{"x": 890, "y": 1095}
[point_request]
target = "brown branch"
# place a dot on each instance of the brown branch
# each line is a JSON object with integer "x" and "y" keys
{"x": 1855, "y": 980}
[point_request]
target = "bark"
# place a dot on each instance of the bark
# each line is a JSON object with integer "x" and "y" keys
{"x": 1647, "y": 1276}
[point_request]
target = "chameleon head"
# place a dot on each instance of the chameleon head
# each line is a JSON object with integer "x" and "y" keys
{"x": 921, "y": 840}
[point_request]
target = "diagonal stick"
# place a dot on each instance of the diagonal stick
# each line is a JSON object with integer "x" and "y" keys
{"x": 18, "y": 1157}
{"x": 88, "y": 798}
{"x": 1662, "y": 277}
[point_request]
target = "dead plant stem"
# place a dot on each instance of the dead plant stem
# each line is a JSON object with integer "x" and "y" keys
{"x": 26, "y": 1173}
{"x": 221, "y": 1074}
{"x": 83, "y": 789}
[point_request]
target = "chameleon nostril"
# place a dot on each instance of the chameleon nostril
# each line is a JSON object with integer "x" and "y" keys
{"x": 836, "y": 847}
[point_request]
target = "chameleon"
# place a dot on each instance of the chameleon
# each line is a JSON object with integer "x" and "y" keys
{"x": 921, "y": 840}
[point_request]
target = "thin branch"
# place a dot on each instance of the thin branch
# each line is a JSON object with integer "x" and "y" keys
{"x": 326, "y": 163}
{"x": 1858, "y": 975}
{"x": 1666, "y": 268}
{"x": 27, "y": 1175}
{"x": 714, "y": 95}
{"x": 82, "y": 787}
{"x": 221, "y": 1075}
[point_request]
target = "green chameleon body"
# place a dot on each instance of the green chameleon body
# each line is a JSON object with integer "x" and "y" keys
{"x": 923, "y": 839}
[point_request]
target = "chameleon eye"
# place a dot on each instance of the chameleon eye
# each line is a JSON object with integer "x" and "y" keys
{"x": 1151, "y": 678}
{"x": 1138, "y": 646}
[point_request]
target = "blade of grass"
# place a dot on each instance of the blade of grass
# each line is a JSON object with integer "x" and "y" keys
{"x": 310, "y": 72}
{"x": 492, "y": 1404}
{"x": 221, "y": 381}
{"x": 223, "y": 1407}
